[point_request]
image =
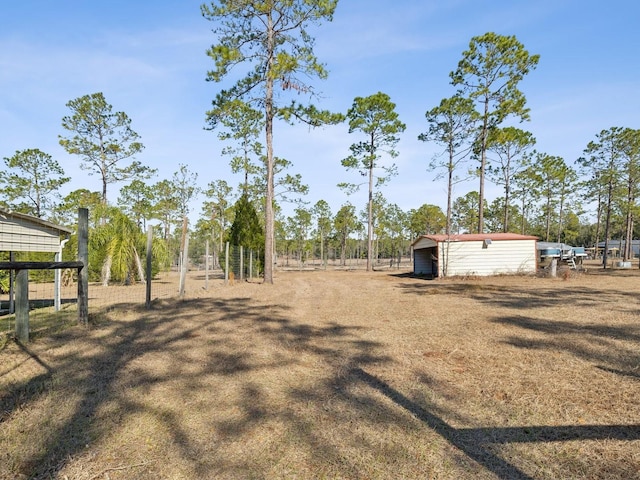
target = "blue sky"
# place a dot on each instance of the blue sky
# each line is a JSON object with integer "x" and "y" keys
{"x": 148, "y": 58}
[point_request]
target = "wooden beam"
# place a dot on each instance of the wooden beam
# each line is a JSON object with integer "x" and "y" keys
{"x": 83, "y": 273}
{"x": 39, "y": 265}
{"x": 147, "y": 302}
{"x": 22, "y": 306}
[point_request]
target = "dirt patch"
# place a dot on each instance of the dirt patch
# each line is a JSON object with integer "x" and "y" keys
{"x": 337, "y": 375}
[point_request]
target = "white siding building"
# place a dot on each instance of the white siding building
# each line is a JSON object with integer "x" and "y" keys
{"x": 474, "y": 254}
{"x": 24, "y": 233}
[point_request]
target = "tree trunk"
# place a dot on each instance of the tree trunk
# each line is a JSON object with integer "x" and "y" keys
{"x": 269, "y": 242}
{"x": 507, "y": 191}
{"x": 598, "y": 220}
{"x": 449, "y": 191}
{"x": 106, "y": 271}
{"x": 628, "y": 242}
{"x": 185, "y": 225}
{"x": 370, "y": 211}
{"x": 548, "y": 226}
{"x": 607, "y": 224}
{"x": 560, "y": 215}
{"x": 139, "y": 265}
{"x": 483, "y": 163}
{"x": 524, "y": 218}
{"x": 629, "y": 222}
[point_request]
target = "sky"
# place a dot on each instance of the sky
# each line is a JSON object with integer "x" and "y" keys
{"x": 149, "y": 60}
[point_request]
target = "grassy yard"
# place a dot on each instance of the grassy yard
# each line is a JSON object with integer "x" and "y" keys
{"x": 333, "y": 375}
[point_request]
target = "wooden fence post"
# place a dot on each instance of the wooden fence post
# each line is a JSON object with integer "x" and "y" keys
{"x": 57, "y": 274}
{"x": 147, "y": 302}
{"x": 12, "y": 287}
{"x": 226, "y": 264}
{"x": 57, "y": 296}
{"x": 206, "y": 266}
{"x": 83, "y": 272}
{"x": 184, "y": 266}
{"x": 22, "y": 305}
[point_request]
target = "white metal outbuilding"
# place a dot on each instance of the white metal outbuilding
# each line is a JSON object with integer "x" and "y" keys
{"x": 24, "y": 233}
{"x": 474, "y": 254}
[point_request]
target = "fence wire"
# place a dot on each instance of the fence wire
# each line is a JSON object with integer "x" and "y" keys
{"x": 221, "y": 269}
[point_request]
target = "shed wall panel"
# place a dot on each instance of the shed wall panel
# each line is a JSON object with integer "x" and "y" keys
{"x": 470, "y": 258}
{"x": 16, "y": 236}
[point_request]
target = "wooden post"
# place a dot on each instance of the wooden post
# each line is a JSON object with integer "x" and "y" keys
{"x": 554, "y": 268}
{"x": 148, "y": 266}
{"x": 185, "y": 265}
{"x": 56, "y": 283}
{"x": 22, "y": 305}
{"x": 180, "y": 279}
{"x": 226, "y": 264}
{"x": 57, "y": 295}
{"x": 12, "y": 288}
{"x": 250, "y": 264}
{"x": 83, "y": 272}
{"x": 206, "y": 266}
{"x": 241, "y": 272}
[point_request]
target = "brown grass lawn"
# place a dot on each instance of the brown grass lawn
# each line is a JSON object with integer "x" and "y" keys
{"x": 333, "y": 375}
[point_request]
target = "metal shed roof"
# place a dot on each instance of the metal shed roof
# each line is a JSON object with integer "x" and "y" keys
{"x": 474, "y": 237}
{"x": 7, "y": 214}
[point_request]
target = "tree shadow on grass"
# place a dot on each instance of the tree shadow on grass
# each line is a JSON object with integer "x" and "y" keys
{"x": 474, "y": 442}
{"x": 519, "y": 297}
{"x": 622, "y": 373}
{"x": 94, "y": 380}
{"x": 25, "y": 391}
{"x": 115, "y": 367}
{"x": 612, "y": 348}
{"x": 630, "y": 332}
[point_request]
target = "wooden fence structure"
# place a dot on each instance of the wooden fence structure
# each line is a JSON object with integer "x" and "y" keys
{"x": 36, "y": 235}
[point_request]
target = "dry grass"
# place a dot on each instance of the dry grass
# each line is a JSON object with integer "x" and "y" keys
{"x": 338, "y": 375}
